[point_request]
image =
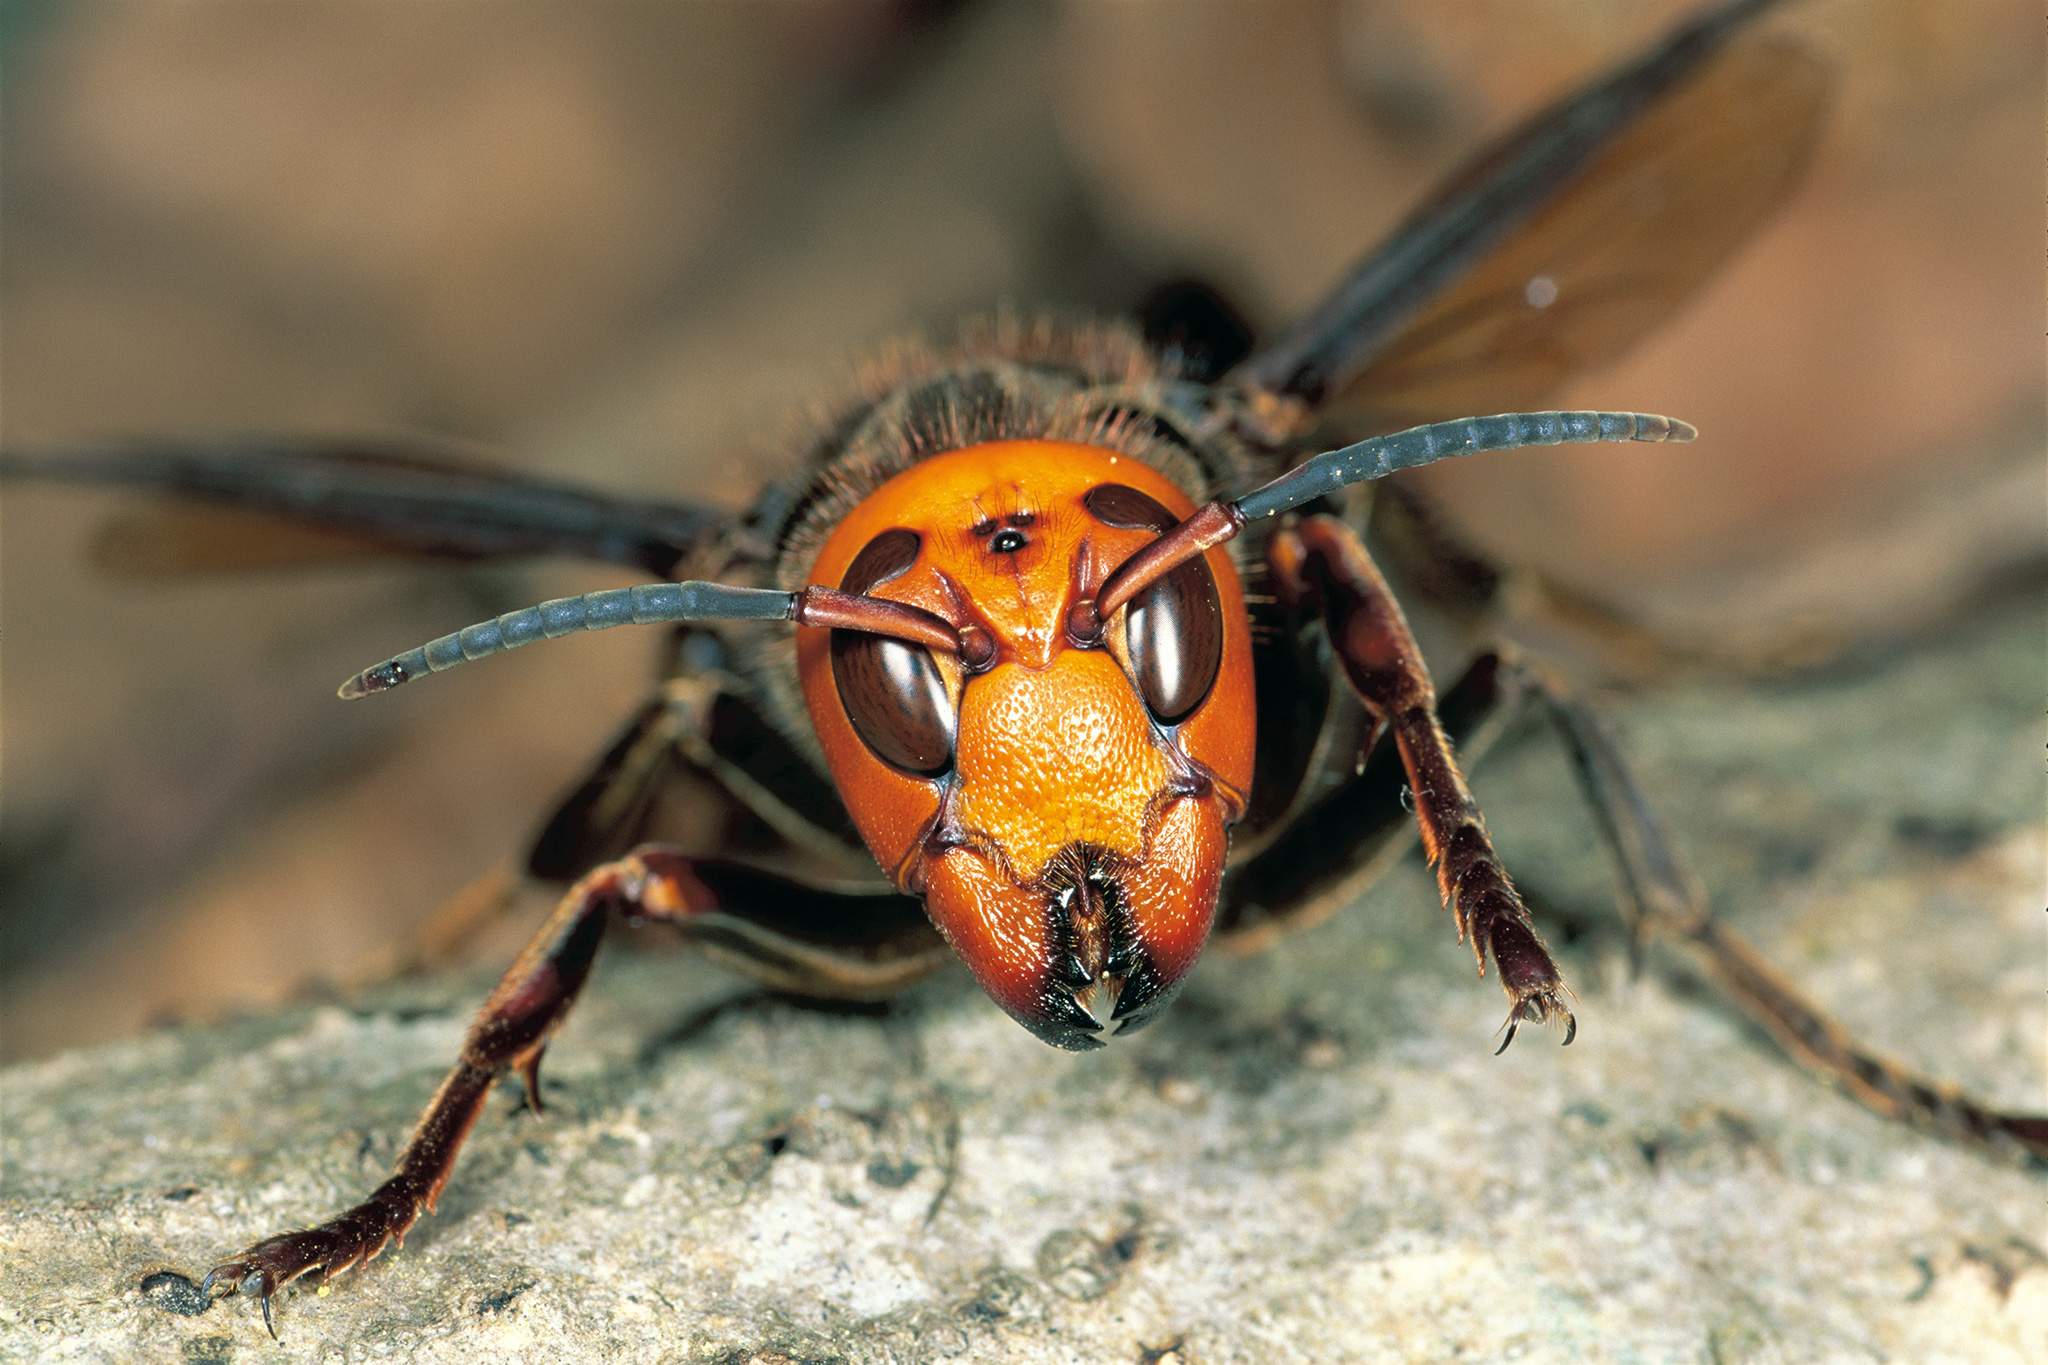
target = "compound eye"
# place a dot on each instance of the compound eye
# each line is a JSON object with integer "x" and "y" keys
{"x": 1174, "y": 629}
{"x": 1175, "y": 632}
{"x": 1114, "y": 504}
{"x": 896, "y": 700}
{"x": 892, "y": 691}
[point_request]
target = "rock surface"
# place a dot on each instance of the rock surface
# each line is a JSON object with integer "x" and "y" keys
{"x": 1313, "y": 1157}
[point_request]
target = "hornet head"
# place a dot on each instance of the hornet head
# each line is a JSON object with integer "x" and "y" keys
{"x": 1060, "y": 801}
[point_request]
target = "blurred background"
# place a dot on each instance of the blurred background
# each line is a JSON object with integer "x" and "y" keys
{"x": 622, "y": 243}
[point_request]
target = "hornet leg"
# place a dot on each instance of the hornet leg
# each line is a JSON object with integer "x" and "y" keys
{"x": 1662, "y": 897}
{"x": 1321, "y": 562}
{"x": 798, "y": 938}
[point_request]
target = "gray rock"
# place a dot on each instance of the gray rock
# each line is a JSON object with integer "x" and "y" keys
{"x": 1312, "y": 1157}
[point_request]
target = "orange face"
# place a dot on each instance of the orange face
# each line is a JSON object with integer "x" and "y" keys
{"x": 1063, "y": 809}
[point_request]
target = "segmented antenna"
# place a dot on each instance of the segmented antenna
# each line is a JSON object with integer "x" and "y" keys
{"x": 655, "y": 603}
{"x": 647, "y": 604}
{"x": 1411, "y": 449}
{"x": 1373, "y": 458}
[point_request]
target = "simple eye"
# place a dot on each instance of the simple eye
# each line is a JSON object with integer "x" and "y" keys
{"x": 1174, "y": 629}
{"x": 891, "y": 689}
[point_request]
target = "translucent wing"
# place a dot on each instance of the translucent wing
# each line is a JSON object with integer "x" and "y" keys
{"x": 1622, "y": 250}
{"x": 272, "y": 503}
{"x": 1556, "y": 248}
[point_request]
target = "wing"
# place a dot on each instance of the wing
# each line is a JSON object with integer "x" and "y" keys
{"x": 1554, "y": 249}
{"x": 263, "y": 503}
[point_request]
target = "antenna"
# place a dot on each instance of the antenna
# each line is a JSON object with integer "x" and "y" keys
{"x": 1213, "y": 524}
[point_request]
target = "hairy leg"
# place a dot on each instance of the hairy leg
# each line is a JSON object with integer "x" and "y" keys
{"x": 1348, "y": 840}
{"x": 819, "y": 942}
{"x": 1665, "y": 900}
{"x": 1321, "y": 563}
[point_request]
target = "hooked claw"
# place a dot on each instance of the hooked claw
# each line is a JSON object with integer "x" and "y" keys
{"x": 1540, "y": 1007}
{"x": 330, "y": 1248}
{"x": 245, "y": 1277}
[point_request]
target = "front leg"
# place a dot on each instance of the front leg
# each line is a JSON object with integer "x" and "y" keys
{"x": 511, "y": 1030}
{"x": 814, "y": 941}
{"x": 1320, "y": 563}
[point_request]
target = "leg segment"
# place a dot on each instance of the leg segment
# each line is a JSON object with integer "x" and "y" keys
{"x": 820, "y": 942}
{"x": 1425, "y": 557}
{"x": 1347, "y": 840}
{"x": 510, "y": 1030}
{"x": 1664, "y": 898}
{"x": 699, "y": 767}
{"x": 1321, "y": 562}
{"x": 665, "y": 778}
{"x": 601, "y": 819}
